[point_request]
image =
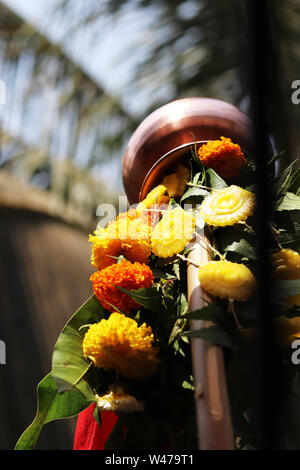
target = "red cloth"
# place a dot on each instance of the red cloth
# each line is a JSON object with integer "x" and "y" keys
{"x": 89, "y": 435}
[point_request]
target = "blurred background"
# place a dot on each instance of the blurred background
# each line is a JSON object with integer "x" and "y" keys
{"x": 80, "y": 75}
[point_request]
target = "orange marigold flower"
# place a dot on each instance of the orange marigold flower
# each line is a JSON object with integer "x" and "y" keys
{"x": 131, "y": 276}
{"x": 223, "y": 156}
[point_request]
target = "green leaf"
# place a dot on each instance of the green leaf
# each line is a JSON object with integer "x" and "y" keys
{"x": 195, "y": 194}
{"x": 214, "y": 334}
{"x": 51, "y": 406}
{"x": 97, "y": 416}
{"x": 182, "y": 304}
{"x": 211, "y": 312}
{"x": 243, "y": 248}
{"x": 187, "y": 385}
{"x": 160, "y": 274}
{"x": 176, "y": 270}
{"x": 284, "y": 289}
{"x": 285, "y": 179}
{"x": 148, "y": 297}
{"x": 214, "y": 180}
{"x": 69, "y": 365}
{"x": 290, "y": 202}
{"x": 294, "y": 186}
{"x": 177, "y": 329}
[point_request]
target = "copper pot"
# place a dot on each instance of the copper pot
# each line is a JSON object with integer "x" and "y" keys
{"x": 168, "y": 133}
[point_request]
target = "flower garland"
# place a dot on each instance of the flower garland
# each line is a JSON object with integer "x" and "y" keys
{"x": 127, "y": 348}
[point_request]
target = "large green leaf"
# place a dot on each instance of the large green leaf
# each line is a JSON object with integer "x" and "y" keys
{"x": 243, "y": 248}
{"x": 149, "y": 297}
{"x": 285, "y": 179}
{"x": 214, "y": 180}
{"x": 51, "y": 406}
{"x": 69, "y": 365}
{"x": 214, "y": 334}
{"x": 294, "y": 186}
{"x": 195, "y": 194}
{"x": 285, "y": 289}
{"x": 210, "y": 312}
{"x": 290, "y": 202}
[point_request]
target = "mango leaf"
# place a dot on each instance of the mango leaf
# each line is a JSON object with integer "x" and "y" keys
{"x": 246, "y": 310}
{"x": 177, "y": 329}
{"x": 214, "y": 334}
{"x": 182, "y": 304}
{"x": 284, "y": 289}
{"x": 148, "y": 297}
{"x": 69, "y": 365}
{"x": 160, "y": 274}
{"x": 210, "y": 312}
{"x": 195, "y": 194}
{"x": 285, "y": 179}
{"x": 243, "y": 248}
{"x": 188, "y": 385}
{"x": 294, "y": 186}
{"x": 51, "y": 406}
{"x": 214, "y": 180}
{"x": 290, "y": 202}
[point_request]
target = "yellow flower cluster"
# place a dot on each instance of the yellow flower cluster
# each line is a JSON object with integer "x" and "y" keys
{"x": 172, "y": 233}
{"x": 120, "y": 344}
{"x": 127, "y": 236}
{"x": 157, "y": 196}
{"x": 227, "y": 206}
{"x": 286, "y": 265}
{"x": 117, "y": 400}
{"x": 176, "y": 182}
{"x": 227, "y": 280}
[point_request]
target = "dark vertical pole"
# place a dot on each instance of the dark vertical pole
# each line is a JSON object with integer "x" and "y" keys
{"x": 259, "y": 44}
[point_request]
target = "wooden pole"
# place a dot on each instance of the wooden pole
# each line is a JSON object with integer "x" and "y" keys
{"x": 211, "y": 396}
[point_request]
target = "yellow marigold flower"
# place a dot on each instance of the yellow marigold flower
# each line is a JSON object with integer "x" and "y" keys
{"x": 173, "y": 232}
{"x": 130, "y": 276}
{"x": 176, "y": 182}
{"x": 227, "y": 206}
{"x": 103, "y": 248}
{"x": 131, "y": 214}
{"x": 286, "y": 264}
{"x": 156, "y": 196}
{"x": 227, "y": 280}
{"x": 120, "y": 344}
{"x": 137, "y": 245}
{"x": 128, "y": 235}
{"x": 223, "y": 156}
{"x": 116, "y": 400}
{"x": 286, "y": 330}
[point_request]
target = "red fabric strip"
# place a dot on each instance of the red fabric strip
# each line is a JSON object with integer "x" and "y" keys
{"x": 89, "y": 435}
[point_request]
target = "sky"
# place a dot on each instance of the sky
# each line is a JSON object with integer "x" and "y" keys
{"x": 99, "y": 53}
{"x": 101, "y": 59}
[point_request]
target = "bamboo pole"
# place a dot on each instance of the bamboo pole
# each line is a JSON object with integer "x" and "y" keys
{"x": 211, "y": 396}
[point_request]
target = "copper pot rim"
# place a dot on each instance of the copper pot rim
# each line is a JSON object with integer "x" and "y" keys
{"x": 148, "y": 185}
